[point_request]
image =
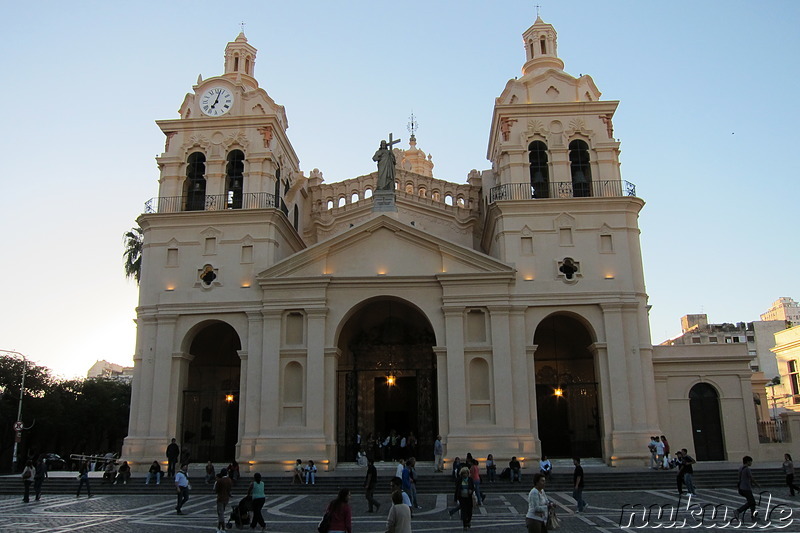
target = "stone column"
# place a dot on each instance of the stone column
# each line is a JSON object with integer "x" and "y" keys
{"x": 329, "y": 397}
{"x": 530, "y": 376}
{"x": 164, "y": 421}
{"x": 457, "y": 391}
{"x": 320, "y": 415}
{"x": 243, "y": 373}
{"x": 504, "y": 406}
{"x": 520, "y": 384}
{"x": 443, "y": 391}
{"x": 270, "y": 374}
{"x": 252, "y": 370}
{"x": 179, "y": 379}
{"x": 605, "y": 403}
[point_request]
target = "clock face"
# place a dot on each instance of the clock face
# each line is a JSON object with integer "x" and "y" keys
{"x": 216, "y": 101}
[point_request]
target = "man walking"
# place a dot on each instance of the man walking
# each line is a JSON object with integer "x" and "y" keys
{"x": 369, "y": 485}
{"x": 577, "y": 484}
{"x": 745, "y": 487}
{"x": 181, "y": 487}
{"x": 38, "y": 477}
{"x": 173, "y": 452}
{"x": 83, "y": 476}
{"x": 222, "y": 488}
{"x": 688, "y": 470}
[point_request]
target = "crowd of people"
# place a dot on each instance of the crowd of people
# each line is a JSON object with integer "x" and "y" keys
{"x": 466, "y": 473}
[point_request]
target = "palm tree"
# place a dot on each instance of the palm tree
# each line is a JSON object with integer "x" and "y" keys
{"x": 134, "y": 240}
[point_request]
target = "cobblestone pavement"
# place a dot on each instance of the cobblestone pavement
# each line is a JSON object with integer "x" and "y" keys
{"x": 503, "y": 511}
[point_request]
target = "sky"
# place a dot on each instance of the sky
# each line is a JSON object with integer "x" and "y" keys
{"x": 707, "y": 117}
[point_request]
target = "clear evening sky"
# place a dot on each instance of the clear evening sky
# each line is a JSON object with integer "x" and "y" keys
{"x": 708, "y": 122}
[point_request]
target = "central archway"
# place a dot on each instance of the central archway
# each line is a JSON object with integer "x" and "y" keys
{"x": 210, "y": 418}
{"x": 566, "y": 389}
{"x": 386, "y": 338}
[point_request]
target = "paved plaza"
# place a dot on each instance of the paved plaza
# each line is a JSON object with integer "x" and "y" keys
{"x": 503, "y": 511}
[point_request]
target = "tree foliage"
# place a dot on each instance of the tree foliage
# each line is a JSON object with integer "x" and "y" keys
{"x": 63, "y": 416}
{"x": 134, "y": 245}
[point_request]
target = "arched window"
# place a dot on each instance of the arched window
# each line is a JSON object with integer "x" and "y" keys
{"x": 530, "y": 46}
{"x": 540, "y": 172}
{"x": 247, "y": 65}
{"x": 342, "y": 201}
{"x": 296, "y": 218}
{"x": 543, "y": 46}
{"x": 236, "y": 63}
{"x": 329, "y": 204}
{"x": 234, "y": 179}
{"x": 580, "y": 169}
{"x": 448, "y": 199}
{"x": 368, "y": 193}
{"x": 354, "y": 198}
{"x": 196, "y": 182}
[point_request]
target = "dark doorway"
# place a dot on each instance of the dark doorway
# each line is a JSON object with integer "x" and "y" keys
{"x": 396, "y": 406}
{"x": 386, "y": 338}
{"x": 706, "y": 423}
{"x": 566, "y": 390}
{"x": 210, "y": 419}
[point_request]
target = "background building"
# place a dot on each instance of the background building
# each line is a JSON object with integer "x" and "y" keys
{"x": 784, "y": 308}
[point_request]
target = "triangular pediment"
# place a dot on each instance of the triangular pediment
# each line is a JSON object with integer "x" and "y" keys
{"x": 385, "y": 247}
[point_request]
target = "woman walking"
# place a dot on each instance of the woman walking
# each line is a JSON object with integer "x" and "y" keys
{"x": 83, "y": 476}
{"x": 788, "y": 469}
{"x": 27, "y": 479}
{"x": 538, "y": 506}
{"x": 399, "y": 519}
{"x": 465, "y": 488}
{"x": 259, "y": 498}
{"x": 340, "y": 513}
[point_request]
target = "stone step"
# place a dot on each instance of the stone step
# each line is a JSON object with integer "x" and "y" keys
{"x": 606, "y": 479}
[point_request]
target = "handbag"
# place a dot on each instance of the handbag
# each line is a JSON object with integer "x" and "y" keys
{"x": 552, "y": 521}
{"x": 325, "y": 524}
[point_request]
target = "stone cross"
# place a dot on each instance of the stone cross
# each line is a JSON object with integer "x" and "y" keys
{"x": 391, "y": 142}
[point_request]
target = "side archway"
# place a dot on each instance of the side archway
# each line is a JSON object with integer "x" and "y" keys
{"x": 210, "y": 418}
{"x": 567, "y": 402}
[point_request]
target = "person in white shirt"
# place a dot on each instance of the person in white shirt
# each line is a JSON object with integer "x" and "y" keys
{"x": 182, "y": 488}
{"x": 539, "y": 506}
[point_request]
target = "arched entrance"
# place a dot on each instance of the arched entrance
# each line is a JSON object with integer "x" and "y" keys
{"x": 706, "y": 423}
{"x": 386, "y": 380}
{"x": 566, "y": 389}
{"x": 211, "y": 400}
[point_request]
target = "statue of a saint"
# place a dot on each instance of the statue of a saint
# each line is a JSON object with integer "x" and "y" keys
{"x": 386, "y": 162}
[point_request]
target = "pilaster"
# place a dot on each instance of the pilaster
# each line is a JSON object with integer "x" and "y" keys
{"x": 456, "y": 373}
{"x": 501, "y": 362}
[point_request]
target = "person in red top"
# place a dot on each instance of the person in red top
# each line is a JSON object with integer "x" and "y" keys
{"x": 341, "y": 516}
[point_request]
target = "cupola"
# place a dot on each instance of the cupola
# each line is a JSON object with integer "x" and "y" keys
{"x": 240, "y": 57}
{"x": 541, "y": 48}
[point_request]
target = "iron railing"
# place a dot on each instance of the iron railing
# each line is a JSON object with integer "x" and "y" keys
{"x": 211, "y": 202}
{"x": 773, "y": 431}
{"x": 561, "y": 189}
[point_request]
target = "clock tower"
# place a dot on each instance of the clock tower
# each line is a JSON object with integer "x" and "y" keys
{"x": 229, "y": 190}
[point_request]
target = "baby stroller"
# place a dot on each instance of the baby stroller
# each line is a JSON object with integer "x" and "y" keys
{"x": 240, "y": 514}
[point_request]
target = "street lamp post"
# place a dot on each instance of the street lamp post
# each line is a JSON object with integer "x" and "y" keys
{"x": 18, "y": 425}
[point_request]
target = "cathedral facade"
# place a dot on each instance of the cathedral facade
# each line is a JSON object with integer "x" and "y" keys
{"x": 281, "y": 316}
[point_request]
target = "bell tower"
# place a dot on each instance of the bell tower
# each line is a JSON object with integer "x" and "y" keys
{"x": 558, "y": 209}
